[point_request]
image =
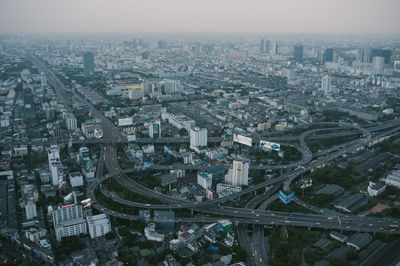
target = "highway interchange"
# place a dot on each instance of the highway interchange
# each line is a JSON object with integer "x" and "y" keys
{"x": 248, "y": 215}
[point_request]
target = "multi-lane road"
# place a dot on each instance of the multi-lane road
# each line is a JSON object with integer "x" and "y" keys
{"x": 244, "y": 215}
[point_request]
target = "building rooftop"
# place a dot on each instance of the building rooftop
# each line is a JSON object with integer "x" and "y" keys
{"x": 360, "y": 240}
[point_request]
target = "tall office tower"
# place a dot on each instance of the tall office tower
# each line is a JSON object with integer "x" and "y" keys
{"x": 267, "y": 46}
{"x": 367, "y": 55}
{"x": 198, "y": 137}
{"x": 274, "y": 48}
{"x": 68, "y": 221}
{"x": 239, "y": 174}
{"x": 98, "y": 225}
{"x": 262, "y": 47}
{"x": 55, "y": 166}
{"x": 328, "y": 55}
{"x": 326, "y": 84}
{"x": 387, "y": 54}
{"x": 298, "y": 53}
{"x": 88, "y": 64}
{"x": 70, "y": 122}
{"x": 155, "y": 130}
{"x": 360, "y": 56}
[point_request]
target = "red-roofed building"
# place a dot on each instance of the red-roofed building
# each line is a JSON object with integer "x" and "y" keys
{"x": 379, "y": 208}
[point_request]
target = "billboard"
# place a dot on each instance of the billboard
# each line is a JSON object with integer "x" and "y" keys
{"x": 286, "y": 198}
{"x": 242, "y": 139}
{"x": 266, "y": 145}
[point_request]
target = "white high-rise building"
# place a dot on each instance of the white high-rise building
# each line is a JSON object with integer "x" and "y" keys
{"x": 55, "y": 166}
{"x": 155, "y": 130}
{"x": 68, "y": 221}
{"x": 70, "y": 122}
{"x": 238, "y": 174}
{"x": 326, "y": 84}
{"x": 98, "y": 225}
{"x": 198, "y": 137}
{"x": 30, "y": 209}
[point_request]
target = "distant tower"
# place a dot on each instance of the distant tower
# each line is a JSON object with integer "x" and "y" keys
{"x": 267, "y": 46}
{"x": 326, "y": 84}
{"x": 88, "y": 64}
{"x": 274, "y": 48}
{"x": 298, "y": 53}
{"x": 328, "y": 55}
{"x": 262, "y": 47}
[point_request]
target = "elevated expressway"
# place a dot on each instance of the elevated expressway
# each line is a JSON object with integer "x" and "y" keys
{"x": 240, "y": 215}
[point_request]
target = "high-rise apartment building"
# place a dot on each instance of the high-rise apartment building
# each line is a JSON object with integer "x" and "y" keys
{"x": 70, "y": 121}
{"x": 198, "y": 137}
{"x": 155, "y": 130}
{"x": 326, "y": 84}
{"x": 239, "y": 173}
{"x": 68, "y": 221}
{"x": 55, "y": 166}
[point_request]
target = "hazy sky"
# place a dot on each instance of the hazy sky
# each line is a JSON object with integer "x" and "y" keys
{"x": 274, "y": 16}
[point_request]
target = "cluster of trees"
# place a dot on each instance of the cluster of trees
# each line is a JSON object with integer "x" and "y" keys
{"x": 68, "y": 245}
{"x": 346, "y": 178}
{"x": 286, "y": 248}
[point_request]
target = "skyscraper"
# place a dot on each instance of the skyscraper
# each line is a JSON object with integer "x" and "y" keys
{"x": 262, "y": 47}
{"x": 328, "y": 55}
{"x": 298, "y": 53}
{"x": 274, "y": 48}
{"x": 267, "y": 44}
{"x": 88, "y": 64}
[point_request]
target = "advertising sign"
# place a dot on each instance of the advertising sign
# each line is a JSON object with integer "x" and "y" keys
{"x": 266, "y": 145}
{"x": 242, "y": 139}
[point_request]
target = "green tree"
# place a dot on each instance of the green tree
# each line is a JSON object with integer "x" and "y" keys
{"x": 183, "y": 132}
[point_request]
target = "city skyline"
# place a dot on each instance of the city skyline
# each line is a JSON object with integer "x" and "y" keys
{"x": 306, "y": 16}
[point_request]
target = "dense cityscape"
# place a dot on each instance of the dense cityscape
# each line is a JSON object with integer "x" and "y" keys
{"x": 199, "y": 149}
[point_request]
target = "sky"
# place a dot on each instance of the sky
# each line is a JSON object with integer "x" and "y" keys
{"x": 213, "y": 16}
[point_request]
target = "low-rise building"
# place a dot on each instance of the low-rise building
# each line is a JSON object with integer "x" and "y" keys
{"x": 76, "y": 179}
{"x": 359, "y": 240}
{"x": 393, "y": 179}
{"x": 375, "y": 188}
